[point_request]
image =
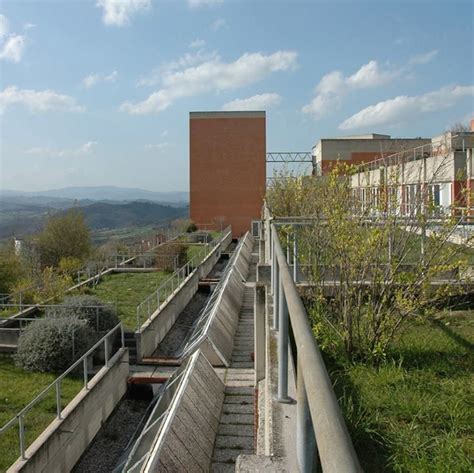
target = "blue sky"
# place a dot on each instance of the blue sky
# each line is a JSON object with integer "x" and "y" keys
{"x": 98, "y": 92}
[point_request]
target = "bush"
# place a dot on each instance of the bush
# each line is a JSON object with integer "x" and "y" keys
{"x": 100, "y": 319}
{"x": 169, "y": 254}
{"x": 52, "y": 344}
{"x": 192, "y": 227}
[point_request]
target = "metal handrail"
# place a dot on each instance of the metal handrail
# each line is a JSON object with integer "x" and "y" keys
{"x": 56, "y": 384}
{"x": 157, "y": 298}
{"x": 318, "y": 408}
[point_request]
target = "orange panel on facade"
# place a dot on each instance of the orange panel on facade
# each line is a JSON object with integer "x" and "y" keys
{"x": 227, "y": 168}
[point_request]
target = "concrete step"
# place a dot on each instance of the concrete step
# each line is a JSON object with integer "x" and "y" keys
{"x": 236, "y": 430}
{"x": 242, "y": 364}
{"x": 230, "y": 441}
{"x": 237, "y": 419}
{"x": 239, "y": 399}
{"x": 229, "y": 408}
{"x": 228, "y": 455}
{"x": 217, "y": 467}
{"x": 239, "y": 391}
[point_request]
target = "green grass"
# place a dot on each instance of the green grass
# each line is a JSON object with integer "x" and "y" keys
{"x": 414, "y": 413}
{"x": 17, "y": 389}
{"x": 194, "y": 250}
{"x": 127, "y": 290}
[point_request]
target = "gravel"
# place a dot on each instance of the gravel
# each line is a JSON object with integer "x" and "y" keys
{"x": 104, "y": 452}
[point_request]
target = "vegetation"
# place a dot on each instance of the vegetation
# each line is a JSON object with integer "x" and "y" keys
{"x": 100, "y": 317}
{"x": 52, "y": 344}
{"x": 171, "y": 256}
{"x": 370, "y": 258}
{"x": 413, "y": 413}
{"x": 402, "y": 370}
{"x": 64, "y": 236}
{"x": 126, "y": 291}
{"x": 11, "y": 269}
{"x": 17, "y": 389}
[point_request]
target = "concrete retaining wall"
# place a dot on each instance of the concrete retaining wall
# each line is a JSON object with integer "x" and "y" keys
{"x": 63, "y": 442}
{"x": 153, "y": 331}
{"x": 186, "y": 440}
{"x": 218, "y": 339}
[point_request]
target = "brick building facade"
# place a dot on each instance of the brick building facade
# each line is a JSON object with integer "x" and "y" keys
{"x": 227, "y": 168}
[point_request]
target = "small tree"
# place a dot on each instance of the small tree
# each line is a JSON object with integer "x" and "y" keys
{"x": 64, "y": 236}
{"x": 11, "y": 269}
{"x": 371, "y": 268}
{"x": 53, "y": 344}
{"x": 170, "y": 255}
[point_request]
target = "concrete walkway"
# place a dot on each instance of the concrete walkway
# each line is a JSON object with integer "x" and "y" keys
{"x": 235, "y": 434}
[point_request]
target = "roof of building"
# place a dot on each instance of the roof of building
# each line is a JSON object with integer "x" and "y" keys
{"x": 233, "y": 114}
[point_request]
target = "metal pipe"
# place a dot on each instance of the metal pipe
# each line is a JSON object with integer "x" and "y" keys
{"x": 282, "y": 346}
{"x": 58, "y": 399}
{"x": 335, "y": 448}
{"x": 276, "y": 297}
{"x": 21, "y": 432}
{"x": 305, "y": 440}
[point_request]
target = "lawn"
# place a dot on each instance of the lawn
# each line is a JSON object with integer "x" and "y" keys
{"x": 414, "y": 413}
{"x": 17, "y": 389}
{"x": 126, "y": 291}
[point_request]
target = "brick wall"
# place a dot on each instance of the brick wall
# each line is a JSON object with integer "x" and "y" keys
{"x": 227, "y": 168}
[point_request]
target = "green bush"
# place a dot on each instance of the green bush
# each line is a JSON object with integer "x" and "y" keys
{"x": 52, "y": 344}
{"x": 99, "y": 316}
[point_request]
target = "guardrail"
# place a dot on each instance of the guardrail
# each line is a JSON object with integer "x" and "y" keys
{"x": 155, "y": 300}
{"x": 19, "y": 418}
{"x": 319, "y": 419}
{"x": 203, "y": 321}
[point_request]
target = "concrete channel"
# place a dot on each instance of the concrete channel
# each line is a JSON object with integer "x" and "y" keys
{"x": 175, "y": 395}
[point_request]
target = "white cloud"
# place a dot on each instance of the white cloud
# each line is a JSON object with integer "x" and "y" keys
{"x": 28, "y": 26}
{"x": 4, "y": 26}
{"x": 404, "y": 108}
{"x": 37, "y": 100}
{"x": 13, "y": 48}
{"x": 158, "y": 146}
{"x": 212, "y": 75}
{"x": 256, "y": 102}
{"x": 204, "y": 3}
{"x": 119, "y": 12}
{"x": 197, "y": 43}
{"x": 94, "y": 79}
{"x": 85, "y": 149}
{"x": 424, "y": 58}
{"x": 333, "y": 87}
{"x": 187, "y": 60}
{"x": 218, "y": 24}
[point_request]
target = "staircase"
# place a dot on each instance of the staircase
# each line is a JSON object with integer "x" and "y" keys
{"x": 235, "y": 434}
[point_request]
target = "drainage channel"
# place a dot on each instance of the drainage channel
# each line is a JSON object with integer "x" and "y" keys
{"x": 106, "y": 451}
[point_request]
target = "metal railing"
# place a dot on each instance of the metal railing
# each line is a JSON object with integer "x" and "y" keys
{"x": 19, "y": 418}
{"x": 161, "y": 295}
{"x": 208, "y": 312}
{"x": 319, "y": 420}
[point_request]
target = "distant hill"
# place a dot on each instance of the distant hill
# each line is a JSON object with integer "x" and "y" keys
{"x": 20, "y": 219}
{"x": 103, "y": 215}
{"x": 102, "y": 193}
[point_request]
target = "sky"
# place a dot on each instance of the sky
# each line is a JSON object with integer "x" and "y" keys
{"x": 99, "y": 92}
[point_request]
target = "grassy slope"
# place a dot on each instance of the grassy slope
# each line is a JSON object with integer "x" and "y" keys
{"x": 127, "y": 290}
{"x": 413, "y": 414}
{"x": 17, "y": 389}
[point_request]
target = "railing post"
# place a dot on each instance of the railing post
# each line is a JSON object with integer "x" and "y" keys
{"x": 305, "y": 439}
{"x": 276, "y": 297}
{"x": 282, "y": 345}
{"x": 21, "y": 432}
{"x": 259, "y": 323}
{"x": 295, "y": 256}
{"x": 86, "y": 374}
{"x": 138, "y": 317}
{"x": 106, "y": 350}
{"x": 122, "y": 336}
{"x": 58, "y": 399}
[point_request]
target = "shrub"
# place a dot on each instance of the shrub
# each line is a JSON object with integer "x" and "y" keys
{"x": 99, "y": 316}
{"x": 52, "y": 344}
{"x": 192, "y": 227}
{"x": 167, "y": 255}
